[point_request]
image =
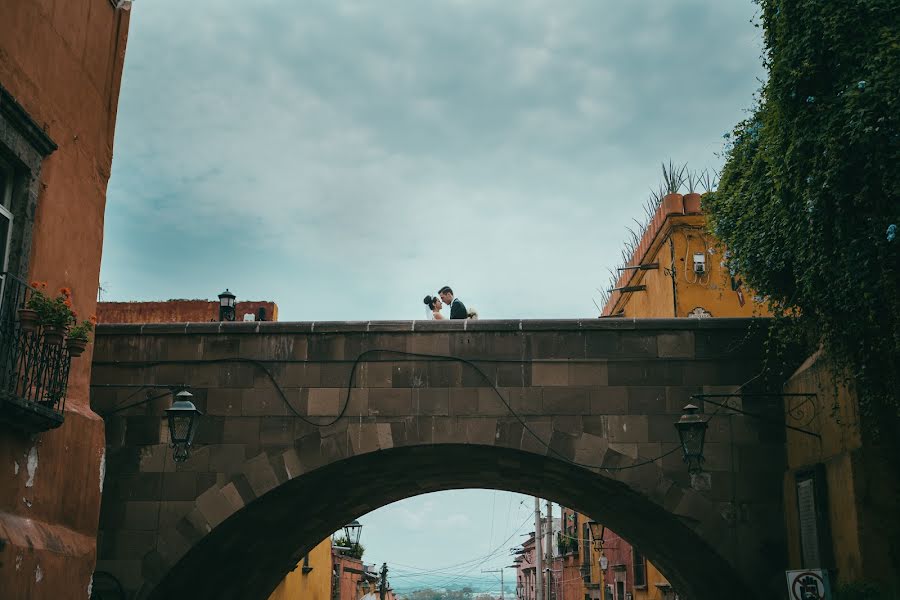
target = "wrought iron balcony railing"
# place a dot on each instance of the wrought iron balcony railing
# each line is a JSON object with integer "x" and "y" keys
{"x": 34, "y": 368}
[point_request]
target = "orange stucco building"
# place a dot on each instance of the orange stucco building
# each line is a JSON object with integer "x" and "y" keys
{"x": 60, "y": 71}
{"x": 181, "y": 311}
{"x": 677, "y": 270}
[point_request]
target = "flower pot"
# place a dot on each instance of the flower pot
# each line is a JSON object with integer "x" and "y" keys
{"x": 28, "y": 319}
{"x": 672, "y": 203}
{"x": 692, "y": 203}
{"x": 75, "y": 346}
{"x": 54, "y": 334}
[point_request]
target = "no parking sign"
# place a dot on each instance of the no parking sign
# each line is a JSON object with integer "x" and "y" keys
{"x": 808, "y": 584}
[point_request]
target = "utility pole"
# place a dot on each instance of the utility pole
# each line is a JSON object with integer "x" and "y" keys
{"x": 549, "y": 550}
{"x": 538, "y": 552}
{"x": 501, "y": 579}
{"x": 383, "y": 589}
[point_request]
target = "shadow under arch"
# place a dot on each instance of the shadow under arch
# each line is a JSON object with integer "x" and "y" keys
{"x": 247, "y": 555}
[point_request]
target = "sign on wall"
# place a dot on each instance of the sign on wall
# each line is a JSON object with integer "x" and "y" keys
{"x": 808, "y": 584}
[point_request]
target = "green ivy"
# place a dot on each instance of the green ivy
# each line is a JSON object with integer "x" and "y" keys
{"x": 808, "y": 203}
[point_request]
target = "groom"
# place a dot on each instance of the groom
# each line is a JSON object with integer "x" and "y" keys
{"x": 457, "y": 308}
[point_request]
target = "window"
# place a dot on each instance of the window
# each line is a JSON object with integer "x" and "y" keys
{"x": 585, "y": 543}
{"x": 640, "y": 568}
{"x": 812, "y": 513}
{"x": 6, "y": 217}
{"x": 620, "y": 590}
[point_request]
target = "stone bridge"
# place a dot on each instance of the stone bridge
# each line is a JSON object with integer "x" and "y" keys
{"x": 291, "y": 447}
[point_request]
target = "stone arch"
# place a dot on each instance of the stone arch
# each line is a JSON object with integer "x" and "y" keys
{"x": 243, "y": 537}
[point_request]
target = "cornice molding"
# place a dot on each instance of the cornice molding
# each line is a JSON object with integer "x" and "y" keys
{"x": 19, "y": 119}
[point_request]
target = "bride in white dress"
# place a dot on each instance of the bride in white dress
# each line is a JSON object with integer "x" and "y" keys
{"x": 434, "y": 305}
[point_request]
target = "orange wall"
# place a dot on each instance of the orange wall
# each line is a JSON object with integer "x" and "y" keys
{"x": 62, "y": 61}
{"x": 673, "y": 289}
{"x": 177, "y": 311}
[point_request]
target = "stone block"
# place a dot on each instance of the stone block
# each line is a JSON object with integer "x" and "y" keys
{"x": 325, "y": 347}
{"x": 264, "y": 401}
{"x": 536, "y": 437}
{"x": 647, "y": 372}
{"x": 431, "y": 401}
{"x": 214, "y": 506}
{"x": 446, "y": 374}
{"x": 197, "y": 461}
{"x": 323, "y": 402}
{"x": 239, "y": 375}
{"x": 224, "y": 402}
{"x": 178, "y": 486}
{"x": 411, "y": 374}
{"x": 546, "y": 374}
{"x": 358, "y": 406}
{"x": 141, "y": 431}
{"x": 588, "y": 373}
{"x": 609, "y": 400}
{"x": 601, "y": 344}
{"x": 390, "y": 402}
{"x": 430, "y": 343}
{"x": 376, "y": 374}
{"x": 335, "y": 375}
{"x": 675, "y": 344}
{"x": 629, "y": 450}
{"x": 463, "y": 401}
{"x": 571, "y": 424}
{"x": 646, "y": 400}
{"x": 259, "y": 474}
{"x": 633, "y": 344}
{"x": 491, "y": 403}
{"x": 566, "y": 401}
{"x": 141, "y": 516}
{"x": 509, "y": 433}
{"x": 444, "y": 430}
{"x": 276, "y": 431}
{"x": 243, "y": 430}
{"x": 480, "y": 431}
{"x": 590, "y": 449}
{"x": 173, "y": 511}
{"x": 514, "y": 375}
{"x": 524, "y": 401}
{"x": 293, "y": 467}
{"x": 562, "y": 445}
{"x": 627, "y": 428}
{"x": 226, "y": 458}
{"x": 364, "y": 437}
{"x": 661, "y": 428}
{"x": 132, "y": 544}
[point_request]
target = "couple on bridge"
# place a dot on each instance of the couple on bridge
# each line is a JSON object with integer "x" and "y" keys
{"x": 457, "y": 308}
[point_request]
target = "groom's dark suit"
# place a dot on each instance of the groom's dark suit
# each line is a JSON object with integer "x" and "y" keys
{"x": 458, "y": 310}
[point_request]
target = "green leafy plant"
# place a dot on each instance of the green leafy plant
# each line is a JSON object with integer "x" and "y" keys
{"x": 51, "y": 311}
{"x": 82, "y": 331}
{"x": 673, "y": 177}
{"x": 810, "y": 191}
{"x": 355, "y": 550}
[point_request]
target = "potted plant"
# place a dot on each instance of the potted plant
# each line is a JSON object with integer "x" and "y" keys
{"x": 79, "y": 337}
{"x": 673, "y": 180}
{"x": 54, "y": 314}
{"x": 692, "y": 198}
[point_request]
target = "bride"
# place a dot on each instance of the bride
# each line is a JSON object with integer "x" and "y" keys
{"x": 433, "y": 303}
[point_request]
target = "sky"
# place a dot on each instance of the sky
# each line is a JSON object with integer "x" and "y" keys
{"x": 345, "y": 158}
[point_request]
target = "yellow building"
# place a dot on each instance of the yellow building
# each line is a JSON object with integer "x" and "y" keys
{"x": 311, "y": 579}
{"x": 677, "y": 270}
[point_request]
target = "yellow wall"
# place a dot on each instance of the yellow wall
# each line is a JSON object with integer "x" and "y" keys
{"x": 861, "y": 487}
{"x": 315, "y": 585}
{"x": 673, "y": 289}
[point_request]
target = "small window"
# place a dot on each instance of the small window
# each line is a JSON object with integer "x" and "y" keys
{"x": 620, "y": 590}
{"x": 640, "y": 568}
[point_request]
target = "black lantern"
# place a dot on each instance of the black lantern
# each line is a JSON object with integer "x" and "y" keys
{"x": 692, "y": 433}
{"x": 182, "y": 424}
{"x": 598, "y": 531}
{"x": 226, "y": 306}
{"x": 352, "y": 532}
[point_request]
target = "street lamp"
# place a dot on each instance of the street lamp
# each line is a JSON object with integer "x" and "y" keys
{"x": 692, "y": 434}
{"x": 352, "y": 532}
{"x": 226, "y": 306}
{"x": 182, "y": 416}
{"x": 598, "y": 531}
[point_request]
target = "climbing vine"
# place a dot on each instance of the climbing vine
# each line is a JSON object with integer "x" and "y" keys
{"x": 808, "y": 203}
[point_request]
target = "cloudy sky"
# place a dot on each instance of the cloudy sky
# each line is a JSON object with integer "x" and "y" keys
{"x": 344, "y": 158}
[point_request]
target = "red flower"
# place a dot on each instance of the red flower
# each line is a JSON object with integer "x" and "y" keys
{"x": 65, "y": 292}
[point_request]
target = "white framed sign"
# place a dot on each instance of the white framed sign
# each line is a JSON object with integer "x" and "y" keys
{"x": 808, "y": 584}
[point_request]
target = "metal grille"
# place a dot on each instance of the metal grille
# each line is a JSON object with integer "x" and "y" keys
{"x": 34, "y": 375}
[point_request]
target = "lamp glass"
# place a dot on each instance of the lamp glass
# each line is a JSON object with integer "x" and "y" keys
{"x": 352, "y": 531}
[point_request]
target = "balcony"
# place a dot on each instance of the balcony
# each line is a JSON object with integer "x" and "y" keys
{"x": 34, "y": 371}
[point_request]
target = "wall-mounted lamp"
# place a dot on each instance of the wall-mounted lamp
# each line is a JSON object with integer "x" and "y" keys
{"x": 692, "y": 434}
{"x": 182, "y": 416}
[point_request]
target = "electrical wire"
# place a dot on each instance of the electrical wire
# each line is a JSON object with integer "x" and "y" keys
{"x": 408, "y": 357}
